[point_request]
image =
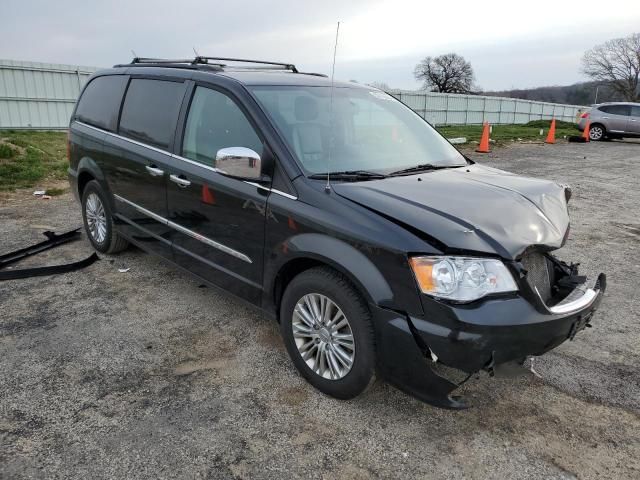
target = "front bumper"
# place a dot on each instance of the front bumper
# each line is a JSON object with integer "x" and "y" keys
{"x": 473, "y": 338}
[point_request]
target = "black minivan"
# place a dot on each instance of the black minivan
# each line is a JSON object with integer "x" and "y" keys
{"x": 378, "y": 247}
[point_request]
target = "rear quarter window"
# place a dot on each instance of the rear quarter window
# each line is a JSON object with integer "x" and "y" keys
{"x": 99, "y": 104}
{"x": 150, "y": 111}
{"x": 616, "y": 109}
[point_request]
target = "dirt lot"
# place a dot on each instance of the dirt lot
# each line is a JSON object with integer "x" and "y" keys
{"x": 145, "y": 375}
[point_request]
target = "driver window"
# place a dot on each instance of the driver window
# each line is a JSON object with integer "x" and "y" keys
{"x": 214, "y": 122}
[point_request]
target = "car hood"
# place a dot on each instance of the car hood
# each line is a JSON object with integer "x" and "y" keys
{"x": 473, "y": 209}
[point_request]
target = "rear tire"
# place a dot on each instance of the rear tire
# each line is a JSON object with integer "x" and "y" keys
{"x": 597, "y": 132}
{"x": 338, "y": 346}
{"x": 98, "y": 220}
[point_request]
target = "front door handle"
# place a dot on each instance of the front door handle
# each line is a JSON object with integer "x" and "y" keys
{"x": 154, "y": 171}
{"x": 182, "y": 182}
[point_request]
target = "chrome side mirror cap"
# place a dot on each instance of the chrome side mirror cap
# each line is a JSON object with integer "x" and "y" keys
{"x": 239, "y": 162}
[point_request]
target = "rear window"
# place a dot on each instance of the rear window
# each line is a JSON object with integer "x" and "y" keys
{"x": 150, "y": 111}
{"x": 616, "y": 109}
{"x": 100, "y": 101}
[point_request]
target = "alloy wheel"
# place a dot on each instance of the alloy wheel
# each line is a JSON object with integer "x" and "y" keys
{"x": 323, "y": 336}
{"x": 596, "y": 133}
{"x": 96, "y": 218}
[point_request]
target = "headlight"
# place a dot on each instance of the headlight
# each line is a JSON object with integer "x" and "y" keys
{"x": 461, "y": 278}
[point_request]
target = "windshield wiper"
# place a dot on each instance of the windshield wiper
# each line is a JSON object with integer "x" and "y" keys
{"x": 422, "y": 168}
{"x": 349, "y": 175}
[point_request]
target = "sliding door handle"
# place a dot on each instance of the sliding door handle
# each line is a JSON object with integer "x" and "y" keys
{"x": 182, "y": 182}
{"x": 154, "y": 171}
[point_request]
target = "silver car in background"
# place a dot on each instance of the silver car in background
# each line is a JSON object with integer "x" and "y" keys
{"x": 612, "y": 120}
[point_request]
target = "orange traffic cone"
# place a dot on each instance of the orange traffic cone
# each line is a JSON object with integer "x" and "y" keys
{"x": 484, "y": 140}
{"x": 551, "y": 136}
{"x": 207, "y": 195}
{"x": 585, "y": 132}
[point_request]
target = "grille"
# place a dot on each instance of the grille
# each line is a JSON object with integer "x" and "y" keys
{"x": 538, "y": 275}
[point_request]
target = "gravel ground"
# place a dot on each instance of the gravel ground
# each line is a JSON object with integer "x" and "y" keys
{"x": 145, "y": 374}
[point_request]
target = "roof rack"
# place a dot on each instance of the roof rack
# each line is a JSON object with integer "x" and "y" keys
{"x": 214, "y": 62}
{"x": 269, "y": 65}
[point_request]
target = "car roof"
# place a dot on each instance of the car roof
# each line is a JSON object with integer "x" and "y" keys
{"x": 273, "y": 78}
{"x": 615, "y": 103}
{"x": 248, "y": 72}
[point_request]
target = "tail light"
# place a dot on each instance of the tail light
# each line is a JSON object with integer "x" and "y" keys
{"x": 585, "y": 115}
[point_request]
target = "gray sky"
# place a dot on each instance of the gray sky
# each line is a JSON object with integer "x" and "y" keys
{"x": 379, "y": 40}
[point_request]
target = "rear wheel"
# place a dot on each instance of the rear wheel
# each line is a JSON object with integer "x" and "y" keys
{"x": 597, "y": 132}
{"x": 327, "y": 329}
{"x": 98, "y": 222}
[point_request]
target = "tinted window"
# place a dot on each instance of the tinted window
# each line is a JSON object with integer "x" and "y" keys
{"x": 100, "y": 101}
{"x": 635, "y": 111}
{"x": 616, "y": 109}
{"x": 150, "y": 111}
{"x": 215, "y": 122}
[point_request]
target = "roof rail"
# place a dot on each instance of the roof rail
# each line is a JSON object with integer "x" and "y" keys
{"x": 278, "y": 65}
{"x": 214, "y": 63}
{"x": 158, "y": 60}
{"x": 202, "y": 60}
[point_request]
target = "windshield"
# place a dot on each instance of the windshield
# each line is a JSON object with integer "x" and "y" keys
{"x": 371, "y": 130}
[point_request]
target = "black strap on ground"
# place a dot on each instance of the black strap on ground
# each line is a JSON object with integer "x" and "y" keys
{"x": 53, "y": 240}
{"x": 49, "y": 270}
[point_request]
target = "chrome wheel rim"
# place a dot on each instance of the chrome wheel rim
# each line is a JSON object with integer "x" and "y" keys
{"x": 595, "y": 133}
{"x": 96, "y": 218}
{"x": 323, "y": 336}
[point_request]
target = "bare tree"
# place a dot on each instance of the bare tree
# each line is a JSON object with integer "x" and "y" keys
{"x": 616, "y": 62}
{"x": 448, "y": 73}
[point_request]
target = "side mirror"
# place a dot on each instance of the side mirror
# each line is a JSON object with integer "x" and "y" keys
{"x": 239, "y": 162}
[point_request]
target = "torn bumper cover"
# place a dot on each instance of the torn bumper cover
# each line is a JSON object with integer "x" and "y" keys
{"x": 470, "y": 338}
{"x": 53, "y": 240}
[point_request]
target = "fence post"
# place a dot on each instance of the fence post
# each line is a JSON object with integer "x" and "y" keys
{"x": 446, "y": 110}
{"x": 424, "y": 113}
{"x": 466, "y": 111}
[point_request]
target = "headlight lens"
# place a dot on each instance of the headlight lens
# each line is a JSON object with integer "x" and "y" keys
{"x": 461, "y": 278}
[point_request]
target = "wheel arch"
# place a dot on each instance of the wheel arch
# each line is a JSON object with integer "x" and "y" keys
{"x": 311, "y": 250}
{"x": 89, "y": 170}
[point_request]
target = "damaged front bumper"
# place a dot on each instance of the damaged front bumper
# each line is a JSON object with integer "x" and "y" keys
{"x": 470, "y": 338}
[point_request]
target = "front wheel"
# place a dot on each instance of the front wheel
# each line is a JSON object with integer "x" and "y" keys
{"x": 327, "y": 330}
{"x": 596, "y": 132}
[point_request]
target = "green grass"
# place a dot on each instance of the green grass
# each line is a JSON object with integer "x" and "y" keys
{"x": 7, "y": 151}
{"x": 507, "y": 133}
{"x": 28, "y": 158}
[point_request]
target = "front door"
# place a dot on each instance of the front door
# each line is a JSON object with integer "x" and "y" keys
{"x": 218, "y": 220}
{"x": 138, "y": 160}
{"x": 634, "y": 120}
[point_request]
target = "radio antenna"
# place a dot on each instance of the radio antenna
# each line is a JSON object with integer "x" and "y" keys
{"x": 327, "y": 187}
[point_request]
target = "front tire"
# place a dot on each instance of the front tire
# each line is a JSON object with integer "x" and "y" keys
{"x": 597, "y": 132}
{"x": 328, "y": 333}
{"x": 98, "y": 222}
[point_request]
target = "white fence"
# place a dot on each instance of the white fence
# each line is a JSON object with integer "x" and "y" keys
{"x": 457, "y": 109}
{"x": 42, "y": 96}
{"x": 39, "y": 95}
